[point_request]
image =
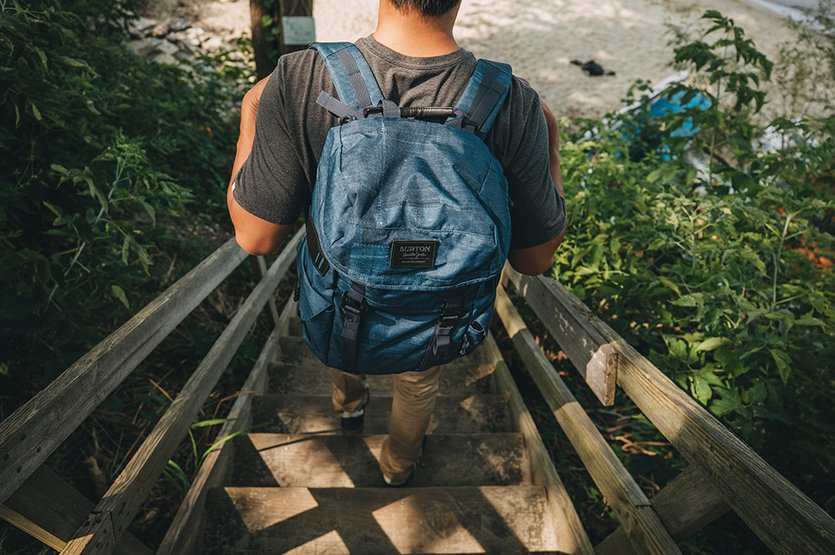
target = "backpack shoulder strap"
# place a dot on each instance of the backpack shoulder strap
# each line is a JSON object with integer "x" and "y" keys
{"x": 483, "y": 98}
{"x": 351, "y": 75}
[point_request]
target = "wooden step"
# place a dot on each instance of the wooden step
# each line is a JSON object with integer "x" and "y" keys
{"x": 311, "y": 377}
{"x": 307, "y": 414}
{"x": 294, "y": 349}
{"x": 492, "y": 519}
{"x": 340, "y": 461}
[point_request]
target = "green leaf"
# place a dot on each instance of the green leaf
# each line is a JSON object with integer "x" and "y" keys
{"x": 219, "y": 443}
{"x": 692, "y": 300}
{"x": 72, "y": 62}
{"x": 757, "y": 394}
{"x": 126, "y": 248}
{"x": 781, "y": 359}
{"x": 209, "y": 423}
{"x": 712, "y": 343}
{"x": 808, "y": 320}
{"x": 150, "y": 210}
{"x": 701, "y": 390}
{"x": 52, "y": 208}
{"x": 669, "y": 284}
{"x": 728, "y": 402}
{"x": 177, "y": 476}
{"x": 119, "y": 293}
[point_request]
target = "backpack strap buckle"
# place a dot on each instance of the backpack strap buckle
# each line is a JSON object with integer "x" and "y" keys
{"x": 441, "y": 341}
{"x": 353, "y": 305}
{"x": 353, "y": 300}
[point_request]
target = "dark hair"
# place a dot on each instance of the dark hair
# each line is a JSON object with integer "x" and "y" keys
{"x": 431, "y": 8}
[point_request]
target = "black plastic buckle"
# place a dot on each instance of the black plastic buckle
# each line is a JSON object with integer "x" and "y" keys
{"x": 468, "y": 124}
{"x": 350, "y": 307}
{"x": 447, "y": 321}
{"x": 368, "y": 110}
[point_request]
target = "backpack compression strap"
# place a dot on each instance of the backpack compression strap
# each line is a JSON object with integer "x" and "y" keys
{"x": 351, "y": 75}
{"x": 483, "y": 98}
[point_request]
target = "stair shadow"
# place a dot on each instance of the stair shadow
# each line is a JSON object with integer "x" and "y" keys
{"x": 378, "y": 520}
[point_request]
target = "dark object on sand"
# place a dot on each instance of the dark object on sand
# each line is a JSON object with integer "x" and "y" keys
{"x": 592, "y": 68}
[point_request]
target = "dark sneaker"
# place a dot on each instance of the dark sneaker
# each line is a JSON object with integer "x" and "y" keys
{"x": 353, "y": 423}
{"x": 400, "y": 482}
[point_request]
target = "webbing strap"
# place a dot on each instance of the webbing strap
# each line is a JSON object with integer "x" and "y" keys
{"x": 355, "y": 77}
{"x": 352, "y": 77}
{"x": 314, "y": 250}
{"x": 483, "y": 98}
{"x": 441, "y": 341}
{"x": 353, "y": 305}
{"x": 337, "y": 108}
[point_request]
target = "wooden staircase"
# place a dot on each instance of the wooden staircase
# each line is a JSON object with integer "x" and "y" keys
{"x": 296, "y": 484}
{"x": 281, "y": 478}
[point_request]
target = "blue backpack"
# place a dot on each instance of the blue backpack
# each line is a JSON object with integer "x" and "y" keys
{"x": 409, "y": 224}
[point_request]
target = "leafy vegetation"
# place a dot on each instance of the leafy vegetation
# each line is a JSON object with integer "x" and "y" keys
{"x": 712, "y": 252}
{"x": 112, "y": 186}
{"x": 98, "y": 147}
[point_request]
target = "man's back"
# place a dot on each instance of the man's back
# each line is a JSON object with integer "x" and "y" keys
{"x": 291, "y": 128}
{"x": 272, "y": 189}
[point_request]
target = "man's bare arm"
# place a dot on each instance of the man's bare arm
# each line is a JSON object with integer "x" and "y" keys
{"x": 255, "y": 235}
{"x": 540, "y": 258}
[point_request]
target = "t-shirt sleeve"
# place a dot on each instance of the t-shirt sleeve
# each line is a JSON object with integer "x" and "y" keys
{"x": 537, "y": 212}
{"x": 272, "y": 183}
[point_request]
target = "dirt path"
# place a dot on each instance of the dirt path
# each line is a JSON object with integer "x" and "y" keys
{"x": 539, "y": 37}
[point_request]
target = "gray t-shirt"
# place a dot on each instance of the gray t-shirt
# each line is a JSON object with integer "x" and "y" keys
{"x": 274, "y": 182}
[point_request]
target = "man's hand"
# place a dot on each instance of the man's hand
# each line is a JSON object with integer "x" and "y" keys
{"x": 253, "y": 234}
{"x": 540, "y": 258}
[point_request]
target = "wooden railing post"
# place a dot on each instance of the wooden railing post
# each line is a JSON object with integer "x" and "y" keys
{"x": 50, "y": 510}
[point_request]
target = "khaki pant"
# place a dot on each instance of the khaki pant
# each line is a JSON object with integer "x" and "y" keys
{"x": 411, "y": 410}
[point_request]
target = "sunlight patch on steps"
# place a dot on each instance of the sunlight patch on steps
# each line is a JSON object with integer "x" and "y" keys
{"x": 250, "y": 507}
{"x": 414, "y": 526}
{"x": 330, "y": 543}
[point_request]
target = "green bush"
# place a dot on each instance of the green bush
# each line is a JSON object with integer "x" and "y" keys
{"x": 720, "y": 275}
{"x": 98, "y": 146}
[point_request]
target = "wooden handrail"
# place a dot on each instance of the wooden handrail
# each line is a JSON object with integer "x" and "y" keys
{"x": 36, "y": 429}
{"x": 633, "y": 509}
{"x": 572, "y": 535}
{"x": 111, "y": 517}
{"x": 183, "y": 533}
{"x": 785, "y": 519}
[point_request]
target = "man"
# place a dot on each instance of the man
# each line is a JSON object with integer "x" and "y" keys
{"x": 416, "y": 62}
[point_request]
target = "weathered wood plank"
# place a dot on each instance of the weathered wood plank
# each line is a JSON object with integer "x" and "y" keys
{"x": 644, "y": 528}
{"x": 596, "y": 361}
{"x": 260, "y": 264}
{"x": 50, "y": 510}
{"x": 778, "y": 512}
{"x": 184, "y": 531}
{"x": 375, "y": 521}
{"x": 32, "y": 432}
{"x": 571, "y": 535}
{"x": 686, "y": 504}
{"x": 124, "y": 498}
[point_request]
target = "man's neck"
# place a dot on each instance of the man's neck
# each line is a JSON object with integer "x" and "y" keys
{"x": 412, "y": 34}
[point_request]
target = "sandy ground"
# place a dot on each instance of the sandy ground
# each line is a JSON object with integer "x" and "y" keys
{"x": 540, "y": 37}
